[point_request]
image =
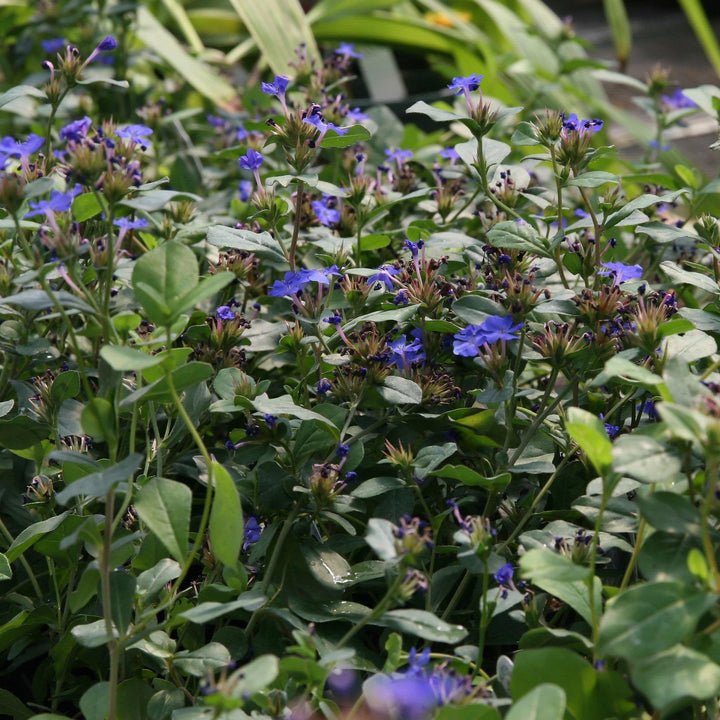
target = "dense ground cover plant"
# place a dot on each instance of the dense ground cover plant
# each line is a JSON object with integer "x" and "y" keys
{"x": 368, "y": 423}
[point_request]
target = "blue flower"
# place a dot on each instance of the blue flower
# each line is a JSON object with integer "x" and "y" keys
{"x": 9, "y": 147}
{"x": 323, "y": 387}
{"x": 270, "y": 420}
{"x": 136, "y": 133}
{"x": 574, "y": 124}
{"x": 678, "y": 100}
{"x": 290, "y": 285}
{"x": 399, "y": 156}
{"x": 53, "y": 45}
{"x": 277, "y": 87}
{"x": 499, "y": 328}
{"x": 326, "y": 215}
{"x": 449, "y": 153}
{"x": 465, "y": 84}
{"x": 252, "y": 160}
{"x": 621, "y": 273}
{"x": 216, "y": 121}
{"x": 417, "y": 662}
{"x": 125, "y": 223}
{"x": 356, "y": 115}
{"x": 251, "y": 532}
{"x": 58, "y": 202}
{"x": 347, "y": 50}
{"x": 401, "y": 696}
{"x": 321, "y": 275}
{"x": 245, "y": 188}
{"x": 342, "y": 450}
{"x": 224, "y": 312}
{"x": 468, "y": 342}
{"x": 404, "y": 353}
{"x": 384, "y": 275}
{"x": 76, "y": 131}
{"x": 504, "y": 575}
{"x": 413, "y": 247}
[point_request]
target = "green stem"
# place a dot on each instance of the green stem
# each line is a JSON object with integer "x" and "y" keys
{"x": 296, "y": 226}
{"x": 275, "y": 557}
{"x": 26, "y": 565}
{"x": 593, "y": 562}
{"x": 483, "y": 618}
{"x": 456, "y": 595}
{"x": 711, "y": 477}
{"x": 633, "y": 558}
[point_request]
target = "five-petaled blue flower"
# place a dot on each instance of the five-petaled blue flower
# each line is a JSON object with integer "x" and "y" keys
{"x": 347, "y": 50}
{"x": 291, "y": 284}
{"x": 58, "y": 202}
{"x": 125, "y": 223}
{"x": 277, "y": 87}
{"x": 399, "y": 156}
{"x": 678, "y": 100}
{"x": 53, "y": 45}
{"x": 225, "y": 312}
{"x": 76, "y": 131}
{"x": 621, "y": 273}
{"x": 319, "y": 275}
{"x": 468, "y": 342}
{"x": 574, "y": 124}
{"x": 9, "y": 147}
{"x": 466, "y": 84}
{"x": 326, "y": 215}
{"x": 404, "y": 353}
{"x": 384, "y": 275}
{"x": 136, "y": 133}
{"x": 252, "y": 160}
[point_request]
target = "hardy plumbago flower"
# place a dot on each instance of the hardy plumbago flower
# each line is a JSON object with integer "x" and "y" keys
{"x": 9, "y": 148}
{"x": 466, "y": 85}
{"x": 291, "y": 284}
{"x": 403, "y": 353}
{"x": 277, "y": 88}
{"x": 399, "y": 156}
{"x": 125, "y": 223}
{"x": 137, "y": 134}
{"x": 252, "y": 160}
{"x": 347, "y": 50}
{"x": 107, "y": 44}
{"x": 384, "y": 275}
{"x": 316, "y": 119}
{"x": 251, "y": 532}
{"x": 76, "y": 131}
{"x": 678, "y": 100}
{"x": 54, "y": 45}
{"x": 326, "y": 215}
{"x": 574, "y": 124}
{"x": 621, "y": 273}
{"x": 245, "y": 188}
{"x": 321, "y": 275}
{"x": 495, "y": 328}
{"x": 224, "y": 312}
{"x": 58, "y": 202}
{"x": 356, "y": 115}
{"x": 449, "y": 153}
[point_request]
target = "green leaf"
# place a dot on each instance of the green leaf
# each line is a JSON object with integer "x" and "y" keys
{"x": 66, "y": 385}
{"x": 539, "y": 565}
{"x": 544, "y": 702}
{"x": 355, "y": 133}
{"x": 327, "y": 567}
{"x": 98, "y": 420}
{"x": 679, "y": 673}
{"x": 588, "y": 432}
{"x": 253, "y": 677}
{"x": 475, "y": 711}
{"x": 690, "y": 346}
{"x": 39, "y": 300}
{"x": 207, "y": 611}
{"x": 671, "y": 513}
{"x": 278, "y": 48}
{"x": 627, "y": 371}
{"x": 157, "y": 577}
{"x": 471, "y": 477}
{"x": 686, "y": 277}
{"x": 398, "y": 390}
{"x": 86, "y": 206}
{"x": 374, "y": 242}
{"x": 226, "y": 518}
{"x": 5, "y": 569}
{"x": 154, "y": 200}
{"x": 122, "y": 595}
{"x": 162, "y": 277}
{"x": 264, "y": 245}
{"x": 516, "y": 236}
{"x": 31, "y": 534}
{"x": 433, "y": 113}
{"x": 183, "y": 377}
{"x": 21, "y": 432}
{"x": 703, "y": 30}
{"x": 644, "y": 458}
{"x": 21, "y": 91}
{"x": 431, "y": 456}
{"x": 201, "y": 76}
{"x": 198, "y": 663}
{"x": 125, "y": 359}
{"x": 164, "y": 506}
{"x": 423, "y": 624}
{"x": 593, "y": 179}
{"x": 617, "y": 19}
{"x": 380, "y": 538}
{"x": 95, "y": 701}
{"x": 649, "y": 618}
{"x": 97, "y": 484}
{"x": 285, "y": 405}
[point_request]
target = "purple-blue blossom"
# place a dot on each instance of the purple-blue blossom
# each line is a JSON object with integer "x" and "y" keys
{"x": 225, "y": 312}
{"x": 252, "y": 160}
{"x": 504, "y": 575}
{"x": 403, "y": 353}
{"x": 277, "y": 87}
{"x": 125, "y": 223}
{"x": 58, "y": 202}
{"x": 291, "y": 284}
{"x": 347, "y": 50}
{"x": 136, "y": 133}
{"x": 245, "y": 188}
{"x": 54, "y": 45}
{"x": 469, "y": 341}
{"x": 356, "y": 115}
{"x": 399, "y": 156}
{"x": 326, "y": 215}
{"x": 620, "y": 272}
{"x": 9, "y": 147}
{"x": 468, "y": 83}
{"x": 678, "y": 100}
{"x": 384, "y": 275}
{"x": 574, "y": 124}
{"x": 498, "y": 328}
{"x": 319, "y": 275}
{"x": 449, "y": 153}
{"x": 251, "y": 532}
{"x": 76, "y": 131}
